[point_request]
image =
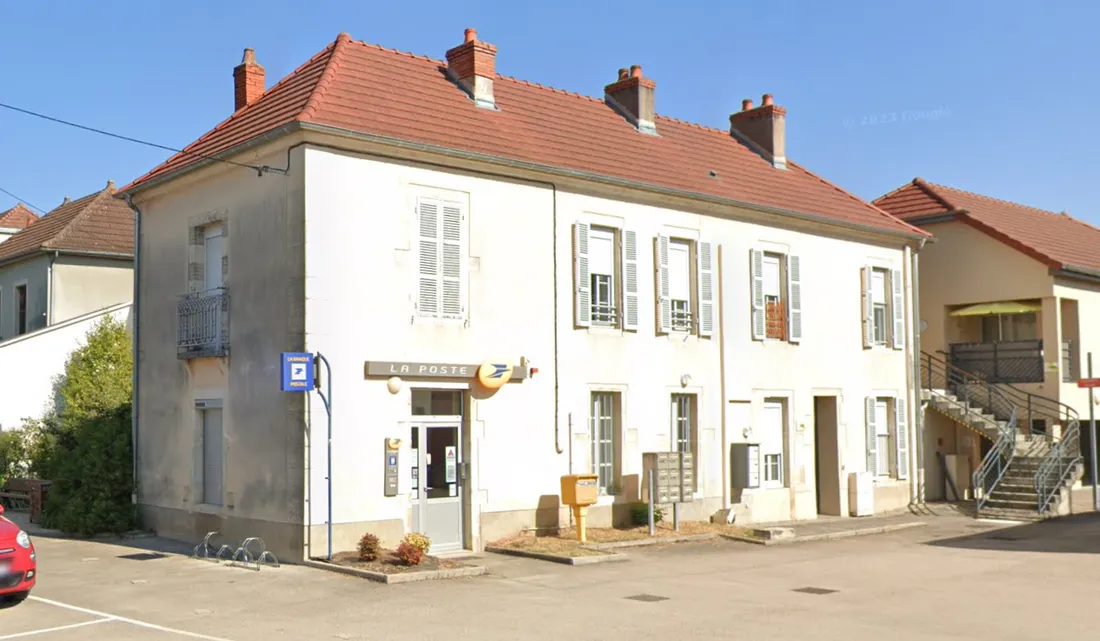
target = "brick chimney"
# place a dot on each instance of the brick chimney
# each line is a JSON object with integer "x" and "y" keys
{"x": 763, "y": 128}
{"x": 248, "y": 81}
{"x": 632, "y": 95}
{"x": 472, "y": 65}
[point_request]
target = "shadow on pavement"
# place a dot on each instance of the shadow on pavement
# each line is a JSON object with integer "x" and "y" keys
{"x": 1078, "y": 534}
{"x": 143, "y": 541}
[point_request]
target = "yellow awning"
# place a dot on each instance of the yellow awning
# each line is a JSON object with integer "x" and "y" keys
{"x": 1005, "y": 307}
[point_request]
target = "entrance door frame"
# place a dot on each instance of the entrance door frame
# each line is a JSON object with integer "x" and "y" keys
{"x": 821, "y": 470}
{"x": 421, "y": 424}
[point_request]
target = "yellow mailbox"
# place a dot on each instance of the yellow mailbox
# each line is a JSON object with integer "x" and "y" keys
{"x": 579, "y": 491}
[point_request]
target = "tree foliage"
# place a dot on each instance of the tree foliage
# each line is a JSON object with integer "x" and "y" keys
{"x": 85, "y": 447}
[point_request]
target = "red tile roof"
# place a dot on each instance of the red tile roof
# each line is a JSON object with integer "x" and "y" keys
{"x": 18, "y": 217}
{"x": 98, "y": 223}
{"x": 1057, "y": 240}
{"x": 365, "y": 88}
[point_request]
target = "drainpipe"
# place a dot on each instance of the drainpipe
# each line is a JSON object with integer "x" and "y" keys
{"x": 136, "y": 317}
{"x": 916, "y": 485}
{"x": 723, "y": 401}
{"x": 557, "y": 377}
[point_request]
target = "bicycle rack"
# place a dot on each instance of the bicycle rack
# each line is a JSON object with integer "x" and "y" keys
{"x": 252, "y": 553}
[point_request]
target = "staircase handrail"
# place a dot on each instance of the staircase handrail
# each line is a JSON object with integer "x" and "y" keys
{"x": 1058, "y": 465}
{"x": 937, "y": 373}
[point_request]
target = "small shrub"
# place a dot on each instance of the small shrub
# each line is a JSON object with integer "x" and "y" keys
{"x": 409, "y": 553}
{"x": 639, "y": 514}
{"x": 419, "y": 541}
{"x": 369, "y": 546}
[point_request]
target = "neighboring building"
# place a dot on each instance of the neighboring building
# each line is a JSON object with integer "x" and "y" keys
{"x": 655, "y": 284}
{"x": 15, "y": 220}
{"x": 75, "y": 260}
{"x": 1011, "y": 295}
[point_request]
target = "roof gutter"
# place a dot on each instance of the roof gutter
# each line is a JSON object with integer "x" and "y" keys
{"x": 49, "y": 251}
{"x": 1079, "y": 273}
{"x": 514, "y": 164}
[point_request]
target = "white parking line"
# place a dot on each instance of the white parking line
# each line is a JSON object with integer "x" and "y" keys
{"x": 20, "y": 635}
{"x": 112, "y": 617}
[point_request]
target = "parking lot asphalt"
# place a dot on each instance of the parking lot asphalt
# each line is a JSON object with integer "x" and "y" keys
{"x": 953, "y": 579}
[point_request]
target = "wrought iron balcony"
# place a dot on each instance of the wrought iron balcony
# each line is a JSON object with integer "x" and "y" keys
{"x": 203, "y": 324}
{"x": 1001, "y": 361}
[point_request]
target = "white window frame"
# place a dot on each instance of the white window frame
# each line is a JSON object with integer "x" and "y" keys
{"x": 428, "y": 306}
{"x": 768, "y": 450}
{"x": 621, "y": 309}
{"x": 695, "y": 315}
{"x": 605, "y": 313}
{"x": 682, "y": 317}
{"x": 891, "y": 442}
{"x": 604, "y": 416}
{"x": 893, "y": 310}
{"x": 684, "y": 429}
{"x": 790, "y": 294}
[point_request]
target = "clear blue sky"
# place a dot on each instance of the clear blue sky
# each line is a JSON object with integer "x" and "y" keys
{"x": 994, "y": 97}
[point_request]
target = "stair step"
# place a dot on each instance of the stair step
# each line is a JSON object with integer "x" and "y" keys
{"x": 1009, "y": 514}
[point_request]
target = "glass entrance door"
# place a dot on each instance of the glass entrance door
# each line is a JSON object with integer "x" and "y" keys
{"x": 437, "y": 484}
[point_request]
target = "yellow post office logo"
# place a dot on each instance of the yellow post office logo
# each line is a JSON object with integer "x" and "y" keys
{"x": 494, "y": 375}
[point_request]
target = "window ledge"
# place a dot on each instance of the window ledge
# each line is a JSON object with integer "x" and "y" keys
{"x": 207, "y": 508}
{"x": 604, "y": 330}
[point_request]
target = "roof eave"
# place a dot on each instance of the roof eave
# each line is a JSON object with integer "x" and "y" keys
{"x": 90, "y": 254}
{"x": 599, "y": 178}
{"x": 252, "y": 143}
{"x": 1080, "y": 273}
{"x": 400, "y": 143}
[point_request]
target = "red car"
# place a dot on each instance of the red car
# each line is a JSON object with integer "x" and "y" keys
{"x": 18, "y": 564}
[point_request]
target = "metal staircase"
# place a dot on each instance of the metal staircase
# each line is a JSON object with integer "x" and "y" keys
{"x": 1035, "y": 454}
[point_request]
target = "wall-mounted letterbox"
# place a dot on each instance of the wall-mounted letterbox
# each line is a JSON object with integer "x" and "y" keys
{"x": 579, "y": 489}
{"x": 673, "y": 475}
{"x": 391, "y": 467}
{"x": 744, "y": 466}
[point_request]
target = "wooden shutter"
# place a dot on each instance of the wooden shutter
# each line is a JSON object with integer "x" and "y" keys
{"x": 430, "y": 276}
{"x": 901, "y": 437}
{"x": 630, "y": 280}
{"x": 705, "y": 269}
{"x": 897, "y": 306}
{"x": 664, "y": 301}
{"x": 453, "y": 264}
{"x": 756, "y": 273}
{"x": 582, "y": 293}
{"x": 872, "y": 436}
{"x": 868, "y": 309}
{"x": 794, "y": 299}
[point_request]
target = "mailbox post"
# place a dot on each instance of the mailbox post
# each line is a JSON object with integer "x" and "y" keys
{"x": 579, "y": 491}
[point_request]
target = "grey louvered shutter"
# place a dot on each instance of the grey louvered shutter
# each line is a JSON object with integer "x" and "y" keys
{"x": 664, "y": 300}
{"x": 756, "y": 273}
{"x": 794, "y": 299}
{"x": 630, "y": 280}
{"x": 705, "y": 269}
{"x": 453, "y": 270}
{"x": 429, "y": 277}
{"x": 898, "y": 308}
{"x": 901, "y": 435}
{"x": 868, "y": 309}
{"x": 582, "y": 296}
{"x": 872, "y": 436}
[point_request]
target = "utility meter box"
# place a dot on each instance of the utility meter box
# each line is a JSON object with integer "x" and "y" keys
{"x": 579, "y": 489}
{"x": 744, "y": 466}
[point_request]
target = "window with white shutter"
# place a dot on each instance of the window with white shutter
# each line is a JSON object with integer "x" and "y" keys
{"x": 442, "y": 275}
{"x": 663, "y": 283}
{"x": 776, "y": 296}
{"x": 901, "y": 437}
{"x": 897, "y": 307}
{"x": 705, "y": 269}
{"x": 871, "y": 420}
{"x": 582, "y": 286}
{"x": 601, "y": 273}
{"x": 630, "y": 280}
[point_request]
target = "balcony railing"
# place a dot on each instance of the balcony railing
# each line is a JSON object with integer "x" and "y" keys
{"x": 1002, "y": 361}
{"x": 203, "y": 324}
{"x": 1069, "y": 361}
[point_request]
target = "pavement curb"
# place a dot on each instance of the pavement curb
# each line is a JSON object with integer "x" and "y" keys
{"x": 380, "y": 577}
{"x": 555, "y": 558}
{"x": 657, "y": 540}
{"x": 829, "y": 536}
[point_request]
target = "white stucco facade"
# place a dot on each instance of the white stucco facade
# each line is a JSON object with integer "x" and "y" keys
{"x": 326, "y": 259}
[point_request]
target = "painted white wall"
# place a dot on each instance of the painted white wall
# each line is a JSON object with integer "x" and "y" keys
{"x": 360, "y": 267}
{"x": 33, "y": 272}
{"x": 30, "y": 363}
{"x": 84, "y": 284}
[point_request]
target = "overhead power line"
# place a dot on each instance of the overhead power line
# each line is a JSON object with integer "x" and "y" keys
{"x": 257, "y": 168}
{"x": 5, "y": 191}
